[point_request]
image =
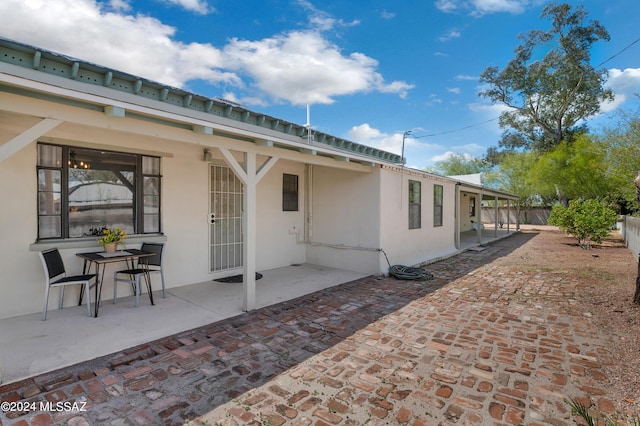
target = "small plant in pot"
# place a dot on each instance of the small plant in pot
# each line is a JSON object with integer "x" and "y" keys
{"x": 111, "y": 238}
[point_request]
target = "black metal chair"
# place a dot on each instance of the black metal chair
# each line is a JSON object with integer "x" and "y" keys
{"x": 56, "y": 276}
{"x": 146, "y": 265}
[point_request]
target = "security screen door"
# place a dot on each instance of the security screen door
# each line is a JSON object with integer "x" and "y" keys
{"x": 225, "y": 236}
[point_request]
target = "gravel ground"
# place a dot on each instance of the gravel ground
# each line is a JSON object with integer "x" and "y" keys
{"x": 608, "y": 273}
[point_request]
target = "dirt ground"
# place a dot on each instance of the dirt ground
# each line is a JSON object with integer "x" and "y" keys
{"x": 607, "y": 275}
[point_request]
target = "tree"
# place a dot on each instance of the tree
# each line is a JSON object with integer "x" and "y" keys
{"x": 587, "y": 221}
{"x": 622, "y": 146}
{"x": 570, "y": 171}
{"x": 513, "y": 177}
{"x": 459, "y": 164}
{"x": 548, "y": 95}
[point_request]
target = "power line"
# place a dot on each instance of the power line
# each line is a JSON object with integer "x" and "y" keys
{"x": 628, "y": 46}
{"x": 496, "y": 118}
{"x": 458, "y": 129}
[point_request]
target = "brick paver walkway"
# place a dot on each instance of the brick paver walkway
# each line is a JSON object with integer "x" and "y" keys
{"x": 470, "y": 347}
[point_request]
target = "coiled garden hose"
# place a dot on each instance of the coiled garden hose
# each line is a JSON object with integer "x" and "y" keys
{"x": 402, "y": 272}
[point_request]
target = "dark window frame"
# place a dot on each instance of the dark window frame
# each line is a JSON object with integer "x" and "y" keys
{"x": 146, "y": 198}
{"x": 290, "y": 192}
{"x": 415, "y": 204}
{"x": 438, "y": 205}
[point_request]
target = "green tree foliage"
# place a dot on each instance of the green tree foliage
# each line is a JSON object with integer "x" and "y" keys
{"x": 587, "y": 221}
{"x": 513, "y": 175}
{"x": 457, "y": 164}
{"x": 622, "y": 146}
{"x": 550, "y": 85}
{"x": 570, "y": 171}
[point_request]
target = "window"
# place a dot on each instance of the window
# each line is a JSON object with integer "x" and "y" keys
{"x": 437, "y": 205}
{"x": 472, "y": 206}
{"x": 289, "y": 193}
{"x": 81, "y": 190}
{"x": 414, "y": 204}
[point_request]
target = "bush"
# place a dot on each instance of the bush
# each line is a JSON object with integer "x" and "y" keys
{"x": 586, "y": 220}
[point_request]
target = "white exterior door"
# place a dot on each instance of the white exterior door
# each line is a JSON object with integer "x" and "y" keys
{"x": 225, "y": 233}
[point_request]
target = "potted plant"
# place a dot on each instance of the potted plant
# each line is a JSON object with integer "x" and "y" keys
{"x": 111, "y": 238}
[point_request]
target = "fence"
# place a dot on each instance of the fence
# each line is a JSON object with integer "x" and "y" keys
{"x": 533, "y": 216}
{"x": 629, "y": 228}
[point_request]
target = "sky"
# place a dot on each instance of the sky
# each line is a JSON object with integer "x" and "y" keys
{"x": 370, "y": 71}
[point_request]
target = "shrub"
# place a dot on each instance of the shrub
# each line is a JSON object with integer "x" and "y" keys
{"x": 588, "y": 221}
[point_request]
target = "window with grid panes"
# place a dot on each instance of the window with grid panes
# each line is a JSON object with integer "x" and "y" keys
{"x": 289, "y": 193}
{"x": 82, "y": 190}
{"x": 437, "y": 204}
{"x": 415, "y": 220}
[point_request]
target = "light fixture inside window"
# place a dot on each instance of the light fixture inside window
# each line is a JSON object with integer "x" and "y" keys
{"x": 75, "y": 164}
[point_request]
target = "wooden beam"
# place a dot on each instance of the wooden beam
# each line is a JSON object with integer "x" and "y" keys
{"x": 202, "y": 130}
{"x": 308, "y": 151}
{"x": 249, "y": 218}
{"x": 264, "y": 169}
{"x": 28, "y": 136}
{"x": 37, "y": 56}
{"x": 114, "y": 111}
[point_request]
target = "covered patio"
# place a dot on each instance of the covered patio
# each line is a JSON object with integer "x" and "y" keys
{"x": 488, "y": 234}
{"x": 32, "y": 346}
{"x": 69, "y": 336}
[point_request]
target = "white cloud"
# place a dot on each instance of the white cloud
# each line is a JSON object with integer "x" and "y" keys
{"x": 139, "y": 44}
{"x": 387, "y": 15}
{"x": 450, "y": 35}
{"x": 468, "y": 152}
{"x": 433, "y": 100}
{"x": 626, "y": 82}
{"x": 198, "y": 6}
{"x": 299, "y": 66}
{"x": 464, "y": 77}
{"x": 454, "y": 90}
{"x": 367, "y": 135}
{"x": 119, "y": 5}
{"x": 302, "y": 67}
{"x": 483, "y": 7}
{"x": 323, "y": 21}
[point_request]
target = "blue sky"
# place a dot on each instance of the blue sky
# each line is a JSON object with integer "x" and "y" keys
{"x": 370, "y": 70}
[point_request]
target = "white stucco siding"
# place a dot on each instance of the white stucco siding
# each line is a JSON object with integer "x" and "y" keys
{"x": 465, "y": 212}
{"x": 406, "y": 246}
{"x": 279, "y": 233}
{"x": 345, "y": 214}
{"x": 21, "y": 276}
{"x": 185, "y": 208}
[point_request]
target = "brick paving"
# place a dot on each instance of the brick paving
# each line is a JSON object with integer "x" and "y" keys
{"x": 476, "y": 345}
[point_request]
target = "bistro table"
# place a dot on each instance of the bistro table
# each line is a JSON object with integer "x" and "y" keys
{"x": 100, "y": 259}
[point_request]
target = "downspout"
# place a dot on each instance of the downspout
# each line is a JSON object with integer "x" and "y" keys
{"x": 496, "y": 220}
{"x": 456, "y": 222}
{"x": 308, "y": 223}
{"x": 479, "y": 218}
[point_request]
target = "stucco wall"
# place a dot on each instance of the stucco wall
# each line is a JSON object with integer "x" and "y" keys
{"x": 21, "y": 281}
{"x": 276, "y": 229}
{"x": 412, "y": 246}
{"x": 345, "y": 213}
{"x": 185, "y": 208}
